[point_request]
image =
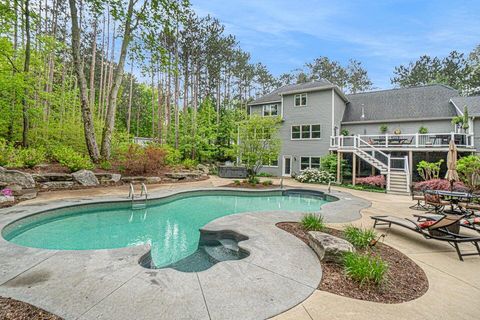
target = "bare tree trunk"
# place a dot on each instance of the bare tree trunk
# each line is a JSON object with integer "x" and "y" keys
{"x": 110, "y": 119}
{"x": 160, "y": 104}
{"x": 86, "y": 112}
{"x": 26, "y": 70}
{"x": 177, "y": 87}
{"x": 92, "y": 66}
{"x": 153, "y": 101}
{"x": 129, "y": 110}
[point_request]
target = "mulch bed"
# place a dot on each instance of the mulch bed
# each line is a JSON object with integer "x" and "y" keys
{"x": 246, "y": 185}
{"x": 11, "y": 309}
{"x": 405, "y": 280}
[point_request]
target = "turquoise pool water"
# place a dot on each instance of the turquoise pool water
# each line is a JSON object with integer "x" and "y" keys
{"x": 171, "y": 226}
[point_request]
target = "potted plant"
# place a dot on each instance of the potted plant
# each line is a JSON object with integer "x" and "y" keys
{"x": 423, "y": 130}
{"x": 397, "y": 131}
{"x": 383, "y": 128}
{"x": 345, "y": 132}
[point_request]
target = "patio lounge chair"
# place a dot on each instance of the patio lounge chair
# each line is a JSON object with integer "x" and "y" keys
{"x": 469, "y": 221}
{"x": 444, "y": 229}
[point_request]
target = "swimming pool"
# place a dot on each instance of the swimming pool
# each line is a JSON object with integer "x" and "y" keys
{"x": 170, "y": 225}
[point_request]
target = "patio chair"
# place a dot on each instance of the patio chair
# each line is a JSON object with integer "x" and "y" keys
{"x": 436, "y": 202}
{"x": 419, "y": 198}
{"x": 444, "y": 229}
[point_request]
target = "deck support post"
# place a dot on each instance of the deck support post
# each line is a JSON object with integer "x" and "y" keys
{"x": 410, "y": 166}
{"x": 339, "y": 167}
{"x": 354, "y": 168}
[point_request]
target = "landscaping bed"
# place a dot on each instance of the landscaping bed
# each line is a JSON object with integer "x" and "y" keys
{"x": 11, "y": 309}
{"x": 247, "y": 185}
{"x": 404, "y": 281}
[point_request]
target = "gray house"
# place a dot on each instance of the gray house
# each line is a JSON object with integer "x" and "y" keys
{"x": 379, "y": 132}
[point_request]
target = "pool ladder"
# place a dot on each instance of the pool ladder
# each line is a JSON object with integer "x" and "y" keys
{"x": 138, "y": 202}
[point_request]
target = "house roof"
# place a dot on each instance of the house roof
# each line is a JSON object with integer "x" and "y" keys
{"x": 425, "y": 102}
{"x": 472, "y": 103}
{"x": 275, "y": 96}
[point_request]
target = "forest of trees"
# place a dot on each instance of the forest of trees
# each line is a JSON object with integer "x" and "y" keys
{"x": 91, "y": 74}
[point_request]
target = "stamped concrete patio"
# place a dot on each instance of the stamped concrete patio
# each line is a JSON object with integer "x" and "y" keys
{"x": 109, "y": 284}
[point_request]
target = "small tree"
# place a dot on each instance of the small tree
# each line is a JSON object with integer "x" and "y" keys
{"x": 258, "y": 142}
{"x": 469, "y": 171}
{"x": 429, "y": 170}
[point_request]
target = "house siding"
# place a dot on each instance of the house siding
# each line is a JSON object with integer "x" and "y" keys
{"x": 476, "y": 134}
{"x": 411, "y": 127}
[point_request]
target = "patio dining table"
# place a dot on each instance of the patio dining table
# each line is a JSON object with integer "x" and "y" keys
{"x": 454, "y": 197}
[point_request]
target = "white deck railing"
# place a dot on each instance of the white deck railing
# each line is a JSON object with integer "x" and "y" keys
{"x": 403, "y": 141}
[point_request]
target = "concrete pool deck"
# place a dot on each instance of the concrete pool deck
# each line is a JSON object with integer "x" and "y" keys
{"x": 454, "y": 290}
{"x": 110, "y": 284}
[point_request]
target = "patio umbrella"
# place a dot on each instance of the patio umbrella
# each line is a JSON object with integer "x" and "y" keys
{"x": 452, "y": 174}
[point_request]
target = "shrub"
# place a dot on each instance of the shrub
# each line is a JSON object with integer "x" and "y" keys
{"x": 154, "y": 157}
{"x": 71, "y": 159}
{"x": 439, "y": 184}
{"x": 429, "y": 170}
{"x": 190, "y": 164}
{"x": 360, "y": 238}
{"x": 345, "y": 132}
{"x": 267, "y": 182}
{"x": 253, "y": 180}
{"x": 423, "y": 130}
{"x": 315, "y": 176}
{"x": 469, "y": 171}
{"x": 9, "y": 156}
{"x": 173, "y": 156}
{"x": 375, "y": 181}
{"x": 106, "y": 165}
{"x": 30, "y": 157}
{"x": 313, "y": 222}
{"x": 237, "y": 182}
{"x": 365, "y": 268}
{"x": 383, "y": 128}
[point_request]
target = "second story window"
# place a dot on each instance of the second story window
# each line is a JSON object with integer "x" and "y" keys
{"x": 306, "y": 131}
{"x": 270, "y": 110}
{"x": 300, "y": 100}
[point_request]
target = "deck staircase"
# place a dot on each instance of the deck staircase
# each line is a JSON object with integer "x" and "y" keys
{"x": 395, "y": 169}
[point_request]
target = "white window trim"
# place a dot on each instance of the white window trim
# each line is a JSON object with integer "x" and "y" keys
{"x": 270, "y": 111}
{"x": 310, "y": 162}
{"x": 305, "y": 139}
{"x": 269, "y": 166}
{"x": 295, "y": 99}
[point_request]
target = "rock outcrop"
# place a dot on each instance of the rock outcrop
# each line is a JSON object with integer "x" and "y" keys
{"x": 85, "y": 178}
{"x": 329, "y": 248}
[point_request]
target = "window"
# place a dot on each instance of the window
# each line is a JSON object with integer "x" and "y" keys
{"x": 270, "y": 110}
{"x": 271, "y": 163}
{"x": 309, "y": 163}
{"x": 295, "y": 132}
{"x": 300, "y": 100}
{"x": 306, "y": 131}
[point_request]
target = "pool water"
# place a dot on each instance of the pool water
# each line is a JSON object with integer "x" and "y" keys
{"x": 170, "y": 226}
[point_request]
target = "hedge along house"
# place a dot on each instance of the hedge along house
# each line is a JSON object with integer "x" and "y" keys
{"x": 386, "y": 132}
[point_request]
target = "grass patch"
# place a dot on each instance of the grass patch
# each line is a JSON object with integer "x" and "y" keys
{"x": 360, "y": 238}
{"x": 362, "y": 187}
{"x": 365, "y": 268}
{"x": 313, "y": 222}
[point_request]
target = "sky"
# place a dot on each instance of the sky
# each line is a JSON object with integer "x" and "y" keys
{"x": 382, "y": 34}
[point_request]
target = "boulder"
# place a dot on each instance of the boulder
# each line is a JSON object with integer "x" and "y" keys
{"x": 184, "y": 175}
{"x": 108, "y": 178}
{"x": 328, "y": 247}
{"x": 134, "y": 179}
{"x": 23, "y": 194}
{"x": 14, "y": 177}
{"x": 203, "y": 168}
{"x": 85, "y": 178}
{"x": 153, "y": 180}
{"x": 57, "y": 185}
{"x": 45, "y": 177}
{"x": 6, "y": 200}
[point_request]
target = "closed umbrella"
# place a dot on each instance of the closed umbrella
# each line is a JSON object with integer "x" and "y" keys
{"x": 452, "y": 174}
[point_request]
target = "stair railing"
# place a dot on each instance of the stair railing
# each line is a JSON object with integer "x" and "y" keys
{"x": 375, "y": 151}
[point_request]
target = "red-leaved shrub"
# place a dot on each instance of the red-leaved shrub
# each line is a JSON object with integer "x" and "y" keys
{"x": 375, "y": 181}
{"x": 439, "y": 184}
{"x": 139, "y": 160}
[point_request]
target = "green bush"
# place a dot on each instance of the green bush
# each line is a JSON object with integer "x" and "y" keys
{"x": 30, "y": 157}
{"x": 9, "y": 156}
{"x": 365, "y": 268}
{"x": 360, "y": 238}
{"x": 469, "y": 170}
{"x": 267, "y": 182}
{"x": 189, "y": 164}
{"x": 313, "y": 222}
{"x": 237, "y": 182}
{"x": 173, "y": 157}
{"x": 429, "y": 170}
{"x": 71, "y": 159}
{"x": 106, "y": 165}
{"x": 253, "y": 180}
